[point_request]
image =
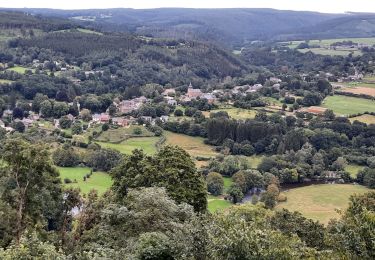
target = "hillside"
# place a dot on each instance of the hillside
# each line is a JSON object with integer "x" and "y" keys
{"x": 348, "y": 26}
{"x": 228, "y": 27}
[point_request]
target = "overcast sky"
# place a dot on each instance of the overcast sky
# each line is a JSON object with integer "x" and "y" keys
{"x": 327, "y": 6}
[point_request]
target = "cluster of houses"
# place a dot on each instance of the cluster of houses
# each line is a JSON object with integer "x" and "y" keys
{"x": 27, "y": 121}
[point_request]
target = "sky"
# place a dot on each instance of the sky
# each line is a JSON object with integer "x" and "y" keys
{"x": 326, "y": 6}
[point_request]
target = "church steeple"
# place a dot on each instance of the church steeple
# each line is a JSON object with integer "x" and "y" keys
{"x": 190, "y": 86}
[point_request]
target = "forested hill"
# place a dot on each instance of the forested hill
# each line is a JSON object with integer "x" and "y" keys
{"x": 353, "y": 25}
{"x": 17, "y": 20}
{"x": 143, "y": 59}
{"x": 229, "y": 27}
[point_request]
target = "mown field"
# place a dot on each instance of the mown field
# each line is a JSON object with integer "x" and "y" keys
{"x": 324, "y": 44}
{"x": 324, "y": 51}
{"x": 236, "y": 113}
{"x": 122, "y": 133}
{"x": 20, "y": 69}
{"x": 99, "y": 181}
{"x": 368, "y": 119}
{"x": 328, "y": 42}
{"x": 193, "y": 145}
{"x": 147, "y": 144}
{"x": 319, "y": 202}
{"x": 343, "y": 105}
{"x": 218, "y": 204}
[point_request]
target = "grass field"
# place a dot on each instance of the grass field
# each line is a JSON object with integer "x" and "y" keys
{"x": 122, "y": 133}
{"x": 319, "y": 202}
{"x": 227, "y": 183}
{"x": 328, "y": 42}
{"x": 368, "y": 119}
{"x": 356, "y": 84}
{"x": 5, "y": 81}
{"x": 344, "y": 105}
{"x": 193, "y": 145}
{"x": 236, "y": 113}
{"x": 99, "y": 181}
{"x": 353, "y": 169}
{"x": 127, "y": 146}
{"x": 20, "y": 69}
{"x": 218, "y": 204}
{"x": 324, "y": 51}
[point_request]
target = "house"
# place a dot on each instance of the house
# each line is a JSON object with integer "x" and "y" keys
{"x": 104, "y": 118}
{"x": 275, "y": 80}
{"x": 70, "y": 117}
{"x": 2, "y": 125}
{"x": 120, "y": 121}
{"x": 7, "y": 113}
{"x": 127, "y": 106}
{"x": 96, "y": 118}
{"x": 164, "y": 119}
{"x": 147, "y": 118}
{"x": 193, "y": 93}
{"x": 27, "y": 122}
{"x": 172, "y": 102}
{"x": 254, "y": 88}
{"x": 169, "y": 92}
{"x": 210, "y": 98}
{"x": 34, "y": 116}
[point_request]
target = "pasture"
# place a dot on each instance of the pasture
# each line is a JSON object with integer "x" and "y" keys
{"x": 122, "y": 133}
{"x": 325, "y": 44}
{"x": 235, "y": 113}
{"x": 192, "y": 145}
{"x": 147, "y": 144}
{"x": 330, "y": 52}
{"x": 19, "y": 69}
{"x": 343, "y": 105}
{"x": 99, "y": 181}
{"x": 319, "y": 202}
{"x": 367, "y": 119}
{"x": 218, "y": 204}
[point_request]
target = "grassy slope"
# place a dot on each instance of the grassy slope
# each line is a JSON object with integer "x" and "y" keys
{"x": 319, "y": 202}
{"x": 236, "y": 113}
{"x": 127, "y": 146}
{"x": 344, "y": 105}
{"x": 120, "y": 134}
{"x": 193, "y": 145}
{"x": 99, "y": 181}
{"x": 368, "y": 119}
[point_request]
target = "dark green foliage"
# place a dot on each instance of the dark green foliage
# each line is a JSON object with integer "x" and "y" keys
{"x": 235, "y": 193}
{"x": 65, "y": 122}
{"x": 215, "y": 183}
{"x": 103, "y": 159}
{"x": 307, "y": 230}
{"x": 65, "y": 157}
{"x": 171, "y": 168}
